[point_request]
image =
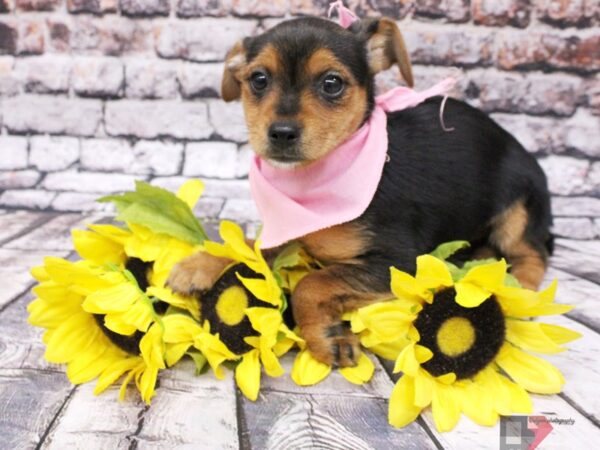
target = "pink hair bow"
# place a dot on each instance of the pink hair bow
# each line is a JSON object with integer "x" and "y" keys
{"x": 346, "y": 17}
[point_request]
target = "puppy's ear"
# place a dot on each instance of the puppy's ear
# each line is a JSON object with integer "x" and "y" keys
{"x": 230, "y": 83}
{"x": 385, "y": 46}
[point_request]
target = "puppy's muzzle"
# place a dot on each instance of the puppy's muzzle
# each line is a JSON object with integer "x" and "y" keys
{"x": 284, "y": 140}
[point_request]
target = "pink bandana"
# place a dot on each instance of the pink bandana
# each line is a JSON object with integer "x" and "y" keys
{"x": 339, "y": 187}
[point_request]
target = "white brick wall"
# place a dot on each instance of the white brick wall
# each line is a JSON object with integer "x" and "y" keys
{"x": 95, "y": 94}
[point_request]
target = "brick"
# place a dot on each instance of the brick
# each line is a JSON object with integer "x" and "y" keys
{"x": 240, "y": 210}
{"x": 228, "y": 120}
{"x": 497, "y": 91}
{"x": 6, "y": 6}
{"x": 594, "y": 178}
{"x": 210, "y": 159}
{"x": 213, "y": 187}
{"x": 574, "y": 228}
{"x": 92, "y": 6}
{"x": 9, "y": 36}
{"x": 582, "y": 131}
{"x": 45, "y": 74}
{"x": 451, "y": 10}
{"x": 145, "y": 7}
{"x": 205, "y": 39}
{"x": 27, "y": 198}
{"x": 106, "y": 155}
{"x": 244, "y": 158}
{"x": 31, "y": 37}
{"x": 98, "y": 77}
{"x": 436, "y": 45}
{"x": 19, "y": 179}
{"x": 54, "y": 115}
{"x": 110, "y": 35}
{"x": 37, "y": 5}
{"x": 52, "y": 153}
{"x": 200, "y": 80}
{"x": 76, "y": 201}
{"x": 59, "y": 32}
{"x": 592, "y": 94}
{"x": 14, "y": 152}
{"x": 150, "y": 78}
{"x": 9, "y": 79}
{"x": 396, "y": 9}
{"x": 260, "y": 8}
{"x": 566, "y": 12}
{"x": 597, "y": 227}
{"x": 549, "y": 50}
{"x": 551, "y": 94}
{"x": 576, "y": 206}
{"x": 566, "y": 175}
{"x": 535, "y": 94}
{"x": 200, "y": 8}
{"x": 536, "y": 134}
{"x": 208, "y": 208}
{"x": 89, "y": 182}
{"x": 502, "y": 12}
{"x": 151, "y": 119}
{"x": 156, "y": 158}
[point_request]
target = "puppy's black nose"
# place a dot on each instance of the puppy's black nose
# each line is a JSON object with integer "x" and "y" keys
{"x": 284, "y": 134}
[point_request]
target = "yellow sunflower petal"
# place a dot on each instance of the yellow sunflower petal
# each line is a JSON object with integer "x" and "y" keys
{"x": 96, "y": 248}
{"x": 39, "y": 273}
{"x": 432, "y": 273}
{"x": 264, "y": 320}
{"x": 262, "y": 289}
{"x": 190, "y": 304}
{"x": 247, "y": 374}
{"x": 71, "y": 338}
{"x": 233, "y": 236}
{"x": 402, "y": 409}
{"x": 88, "y": 365}
{"x": 114, "y": 371}
{"x": 530, "y": 336}
{"x": 445, "y": 406}
{"x": 405, "y": 286}
{"x": 115, "y": 322}
{"x": 117, "y": 298}
{"x": 410, "y": 359}
{"x": 489, "y": 276}
{"x": 532, "y": 373}
{"x": 147, "y": 383}
{"x": 477, "y": 404}
{"x": 361, "y": 373}
{"x": 180, "y": 328}
{"x": 470, "y": 295}
{"x": 174, "y": 352}
{"x": 190, "y": 192}
{"x": 152, "y": 347}
{"x": 558, "y": 334}
{"x": 423, "y": 389}
{"x": 271, "y": 363}
{"x": 307, "y": 371}
{"x": 518, "y": 398}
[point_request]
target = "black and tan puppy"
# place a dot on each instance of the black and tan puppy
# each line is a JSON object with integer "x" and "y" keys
{"x": 309, "y": 83}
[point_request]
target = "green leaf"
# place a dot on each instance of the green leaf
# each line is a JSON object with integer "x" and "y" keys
{"x": 200, "y": 362}
{"x": 159, "y": 210}
{"x": 511, "y": 281}
{"x": 444, "y": 251}
{"x": 288, "y": 257}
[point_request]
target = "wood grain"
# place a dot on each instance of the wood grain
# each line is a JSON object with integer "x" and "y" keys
{"x": 14, "y": 271}
{"x": 309, "y": 421}
{"x": 29, "y": 401}
{"x": 53, "y": 235}
{"x": 583, "y": 264}
{"x": 20, "y": 222}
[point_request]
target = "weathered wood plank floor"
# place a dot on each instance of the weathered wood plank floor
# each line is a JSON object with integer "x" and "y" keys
{"x": 39, "y": 408}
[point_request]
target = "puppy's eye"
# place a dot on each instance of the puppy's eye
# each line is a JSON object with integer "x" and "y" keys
{"x": 259, "y": 81}
{"x": 332, "y": 85}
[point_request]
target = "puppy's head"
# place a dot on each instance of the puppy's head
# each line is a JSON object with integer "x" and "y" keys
{"x": 307, "y": 84}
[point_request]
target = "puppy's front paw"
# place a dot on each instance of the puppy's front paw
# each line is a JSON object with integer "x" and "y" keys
{"x": 197, "y": 273}
{"x": 333, "y": 345}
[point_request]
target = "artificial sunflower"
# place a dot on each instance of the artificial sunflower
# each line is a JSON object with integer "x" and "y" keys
{"x": 242, "y": 313}
{"x": 74, "y": 337}
{"x": 103, "y": 314}
{"x": 460, "y": 338}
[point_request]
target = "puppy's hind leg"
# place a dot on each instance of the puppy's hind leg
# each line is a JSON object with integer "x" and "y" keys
{"x": 524, "y": 250}
{"x": 196, "y": 273}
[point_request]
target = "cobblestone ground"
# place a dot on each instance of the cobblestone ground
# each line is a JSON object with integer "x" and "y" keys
{"x": 97, "y": 93}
